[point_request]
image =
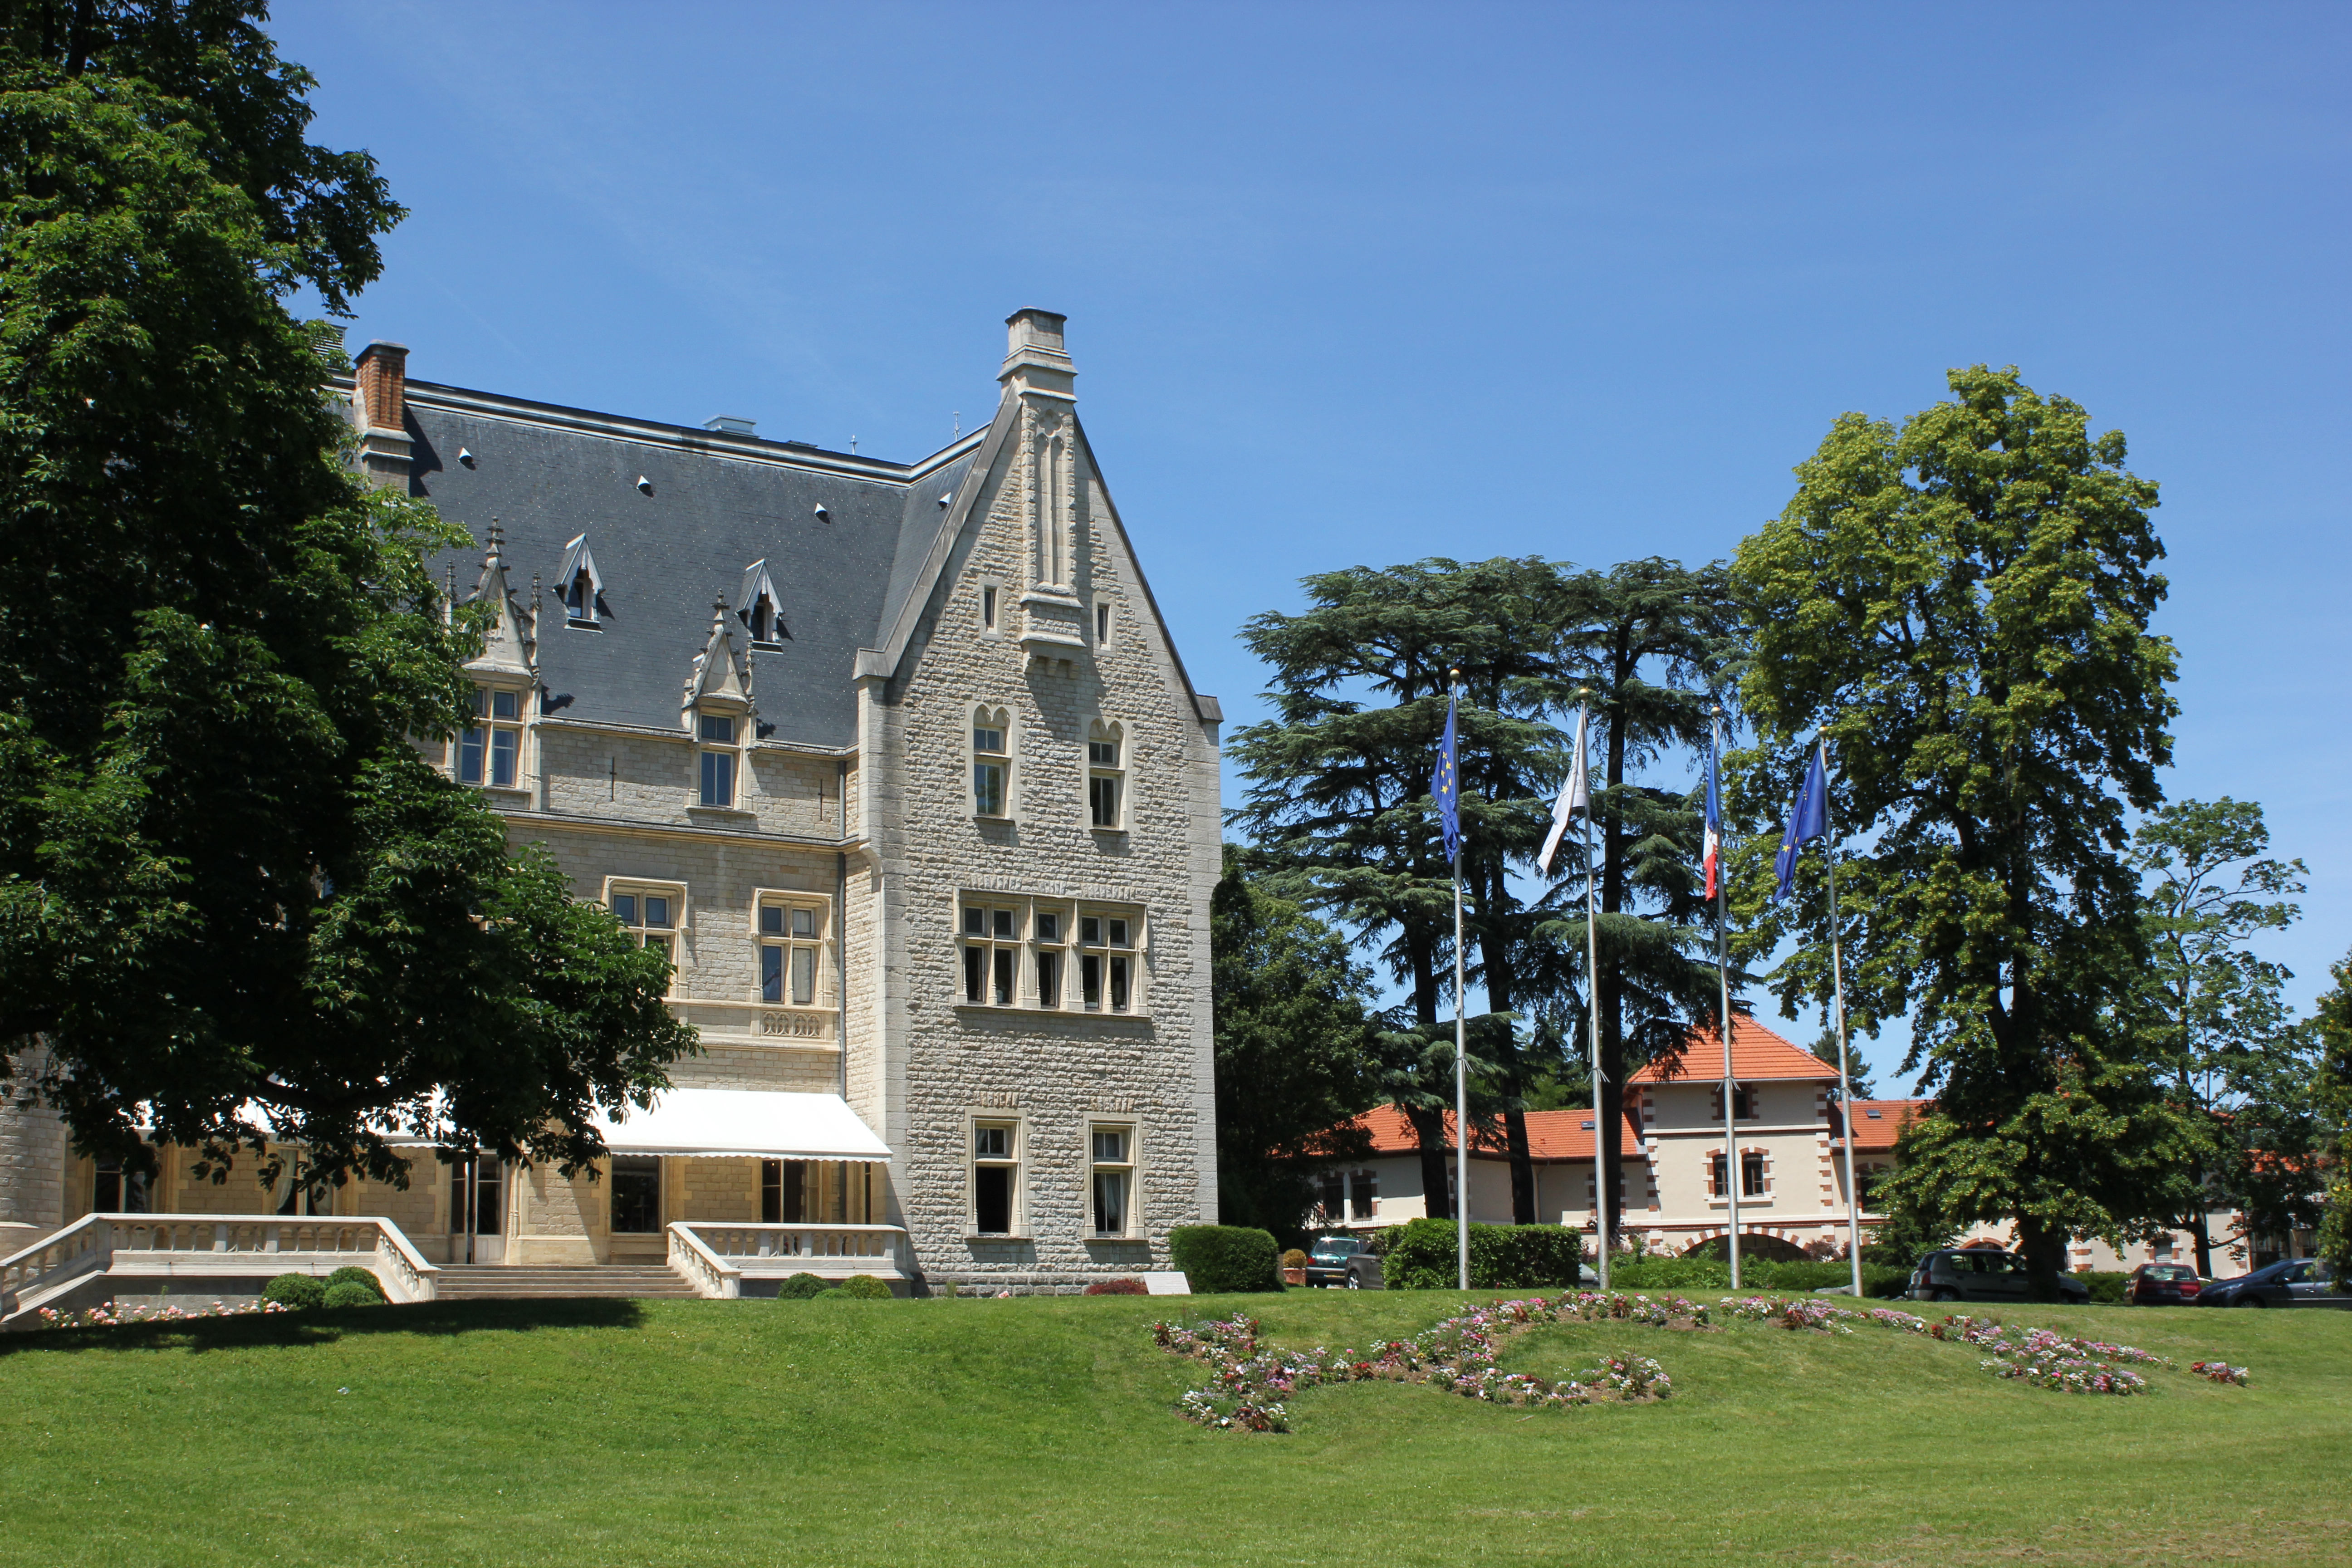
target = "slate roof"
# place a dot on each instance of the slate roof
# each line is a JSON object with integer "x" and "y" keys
{"x": 718, "y": 503}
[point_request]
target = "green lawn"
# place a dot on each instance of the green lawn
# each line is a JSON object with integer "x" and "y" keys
{"x": 1011, "y": 1432}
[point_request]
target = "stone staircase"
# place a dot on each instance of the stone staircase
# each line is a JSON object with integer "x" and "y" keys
{"x": 501, "y": 1282}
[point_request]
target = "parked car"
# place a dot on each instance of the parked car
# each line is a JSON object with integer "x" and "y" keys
{"x": 1343, "y": 1261}
{"x": 2163, "y": 1284}
{"x": 2294, "y": 1283}
{"x": 1980, "y": 1273}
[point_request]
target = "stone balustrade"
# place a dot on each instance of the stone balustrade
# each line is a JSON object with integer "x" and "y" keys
{"x": 195, "y": 1248}
{"x": 727, "y": 1254}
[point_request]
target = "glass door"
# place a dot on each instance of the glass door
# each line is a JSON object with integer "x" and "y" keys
{"x": 478, "y": 1211}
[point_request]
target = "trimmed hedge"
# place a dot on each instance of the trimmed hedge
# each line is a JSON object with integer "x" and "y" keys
{"x": 352, "y": 1293}
{"x": 1116, "y": 1287}
{"x": 2106, "y": 1286}
{"x": 1423, "y": 1255}
{"x": 1219, "y": 1259}
{"x": 353, "y": 1274}
{"x": 800, "y": 1288}
{"x": 864, "y": 1287}
{"x": 1687, "y": 1273}
{"x": 298, "y": 1292}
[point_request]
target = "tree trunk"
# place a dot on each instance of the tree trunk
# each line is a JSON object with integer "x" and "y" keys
{"x": 2045, "y": 1258}
{"x": 1436, "y": 1161}
{"x": 1502, "y": 989}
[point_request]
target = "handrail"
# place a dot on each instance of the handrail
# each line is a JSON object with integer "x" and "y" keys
{"x": 709, "y": 1274}
{"x": 752, "y": 1243}
{"x": 78, "y": 1248}
{"x": 420, "y": 1281}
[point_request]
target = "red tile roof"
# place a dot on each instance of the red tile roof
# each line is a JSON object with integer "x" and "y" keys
{"x": 1876, "y": 1134}
{"x": 1757, "y": 1054}
{"x": 1551, "y": 1135}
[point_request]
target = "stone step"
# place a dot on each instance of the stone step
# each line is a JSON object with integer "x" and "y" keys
{"x": 494, "y": 1282}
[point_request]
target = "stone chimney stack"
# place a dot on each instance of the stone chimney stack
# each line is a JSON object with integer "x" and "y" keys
{"x": 380, "y": 409}
{"x": 1034, "y": 359}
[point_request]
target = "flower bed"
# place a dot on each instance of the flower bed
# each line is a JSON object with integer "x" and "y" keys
{"x": 2220, "y": 1372}
{"x": 1248, "y": 1383}
{"x": 2037, "y": 1356}
{"x": 110, "y": 1317}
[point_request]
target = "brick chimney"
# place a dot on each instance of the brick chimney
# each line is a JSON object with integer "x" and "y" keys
{"x": 381, "y": 410}
{"x": 1034, "y": 358}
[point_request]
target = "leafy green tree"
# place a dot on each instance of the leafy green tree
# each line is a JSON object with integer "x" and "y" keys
{"x": 2333, "y": 1169}
{"x": 1650, "y": 642}
{"x": 234, "y": 903}
{"x": 1339, "y": 795}
{"x": 1296, "y": 1056}
{"x": 1963, "y": 606}
{"x": 2236, "y": 1056}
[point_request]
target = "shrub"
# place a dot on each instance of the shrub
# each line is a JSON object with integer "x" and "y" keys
{"x": 1116, "y": 1287}
{"x": 1421, "y": 1255}
{"x": 835, "y": 1291}
{"x": 352, "y": 1274}
{"x": 800, "y": 1288}
{"x": 864, "y": 1287}
{"x": 1293, "y": 1258}
{"x": 2106, "y": 1286}
{"x": 352, "y": 1293}
{"x": 1220, "y": 1259}
{"x": 296, "y": 1292}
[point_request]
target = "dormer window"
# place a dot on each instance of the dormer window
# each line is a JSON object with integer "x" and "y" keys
{"x": 716, "y": 736}
{"x": 489, "y": 750}
{"x": 580, "y": 585}
{"x": 761, "y": 608}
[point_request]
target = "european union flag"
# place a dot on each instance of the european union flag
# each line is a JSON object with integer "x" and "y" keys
{"x": 1445, "y": 783}
{"x": 1809, "y": 821}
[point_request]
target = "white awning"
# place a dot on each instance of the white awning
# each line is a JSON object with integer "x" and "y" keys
{"x": 745, "y": 1123}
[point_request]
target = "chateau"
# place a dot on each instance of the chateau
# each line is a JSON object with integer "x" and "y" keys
{"x": 898, "y": 764}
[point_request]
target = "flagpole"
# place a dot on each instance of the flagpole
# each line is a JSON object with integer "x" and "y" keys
{"x": 1837, "y": 975}
{"x": 1592, "y": 1012}
{"x": 1461, "y": 1063}
{"x": 1731, "y": 1163}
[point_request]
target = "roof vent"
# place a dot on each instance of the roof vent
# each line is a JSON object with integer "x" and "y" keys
{"x": 730, "y": 425}
{"x": 823, "y": 513}
{"x": 945, "y": 498}
{"x": 1871, "y": 1112}
{"x": 645, "y": 484}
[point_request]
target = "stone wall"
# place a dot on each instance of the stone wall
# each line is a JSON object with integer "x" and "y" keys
{"x": 34, "y": 1164}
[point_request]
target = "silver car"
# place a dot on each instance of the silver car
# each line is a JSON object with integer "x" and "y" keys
{"x": 1980, "y": 1273}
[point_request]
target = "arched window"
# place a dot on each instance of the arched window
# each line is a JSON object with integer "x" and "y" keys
{"x": 1105, "y": 776}
{"x": 992, "y": 762}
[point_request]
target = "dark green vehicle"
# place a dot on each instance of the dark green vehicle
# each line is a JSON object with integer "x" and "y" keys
{"x": 1345, "y": 1261}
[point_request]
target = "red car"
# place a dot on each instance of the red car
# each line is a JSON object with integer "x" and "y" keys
{"x": 2165, "y": 1284}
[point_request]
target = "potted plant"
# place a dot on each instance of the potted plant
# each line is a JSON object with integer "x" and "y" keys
{"x": 1294, "y": 1267}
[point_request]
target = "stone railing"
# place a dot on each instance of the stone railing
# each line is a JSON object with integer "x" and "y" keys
{"x": 196, "y": 1246}
{"x": 775, "y": 1251}
{"x": 709, "y": 1274}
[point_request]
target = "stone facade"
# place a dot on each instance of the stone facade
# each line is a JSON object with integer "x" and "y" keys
{"x": 889, "y": 604}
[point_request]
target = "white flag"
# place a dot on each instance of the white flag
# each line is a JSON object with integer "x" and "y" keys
{"x": 1573, "y": 799}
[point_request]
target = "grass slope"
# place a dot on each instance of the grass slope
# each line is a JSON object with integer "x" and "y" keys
{"x": 1040, "y": 1431}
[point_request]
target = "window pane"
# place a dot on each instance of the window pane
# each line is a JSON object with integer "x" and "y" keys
{"x": 659, "y": 944}
{"x": 107, "y": 1197}
{"x": 502, "y": 758}
{"x": 1366, "y": 1189}
{"x": 992, "y": 1199}
{"x": 1119, "y": 985}
{"x": 975, "y": 922}
{"x": 1049, "y": 926}
{"x": 1118, "y": 933}
{"x": 1102, "y": 754}
{"x": 482, "y": 703}
{"x": 804, "y": 976}
{"x": 506, "y": 704}
{"x": 771, "y": 1192}
{"x": 975, "y": 965}
{"x": 1090, "y": 979}
{"x": 987, "y": 740}
{"x": 469, "y": 757}
{"x": 1110, "y": 1145}
{"x": 1005, "y": 977}
{"x": 804, "y": 922}
{"x": 988, "y": 789}
{"x": 771, "y": 920}
{"x": 990, "y": 1142}
{"x": 718, "y": 727}
{"x": 1089, "y": 929}
{"x": 771, "y": 973}
{"x": 1110, "y": 1202}
{"x": 1102, "y": 801}
{"x": 625, "y": 908}
{"x": 988, "y": 608}
{"x": 637, "y": 1193}
{"x": 1049, "y": 980}
{"x": 717, "y": 778}
{"x": 657, "y": 912}
{"x": 1003, "y": 923}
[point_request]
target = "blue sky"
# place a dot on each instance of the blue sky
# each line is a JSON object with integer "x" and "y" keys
{"x": 1357, "y": 284}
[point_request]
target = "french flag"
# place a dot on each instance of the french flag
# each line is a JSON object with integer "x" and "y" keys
{"x": 1714, "y": 846}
